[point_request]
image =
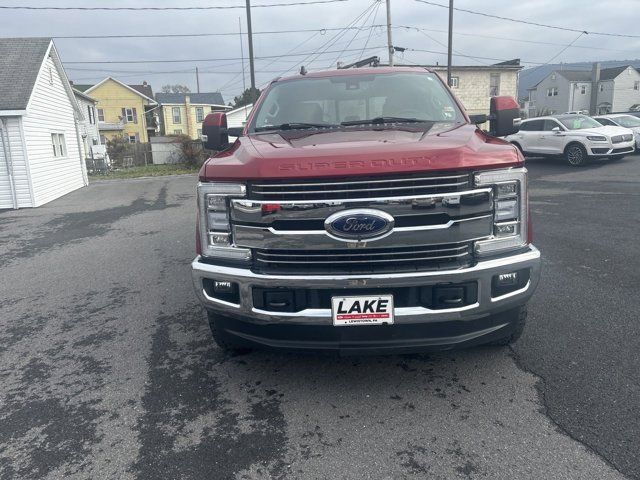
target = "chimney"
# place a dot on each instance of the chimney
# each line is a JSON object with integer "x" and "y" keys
{"x": 187, "y": 113}
{"x": 595, "y": 80}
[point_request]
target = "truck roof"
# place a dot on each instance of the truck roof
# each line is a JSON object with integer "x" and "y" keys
{"x": 353, "y": 71}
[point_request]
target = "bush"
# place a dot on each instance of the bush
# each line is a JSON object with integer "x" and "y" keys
{"x": 192, "y": 151}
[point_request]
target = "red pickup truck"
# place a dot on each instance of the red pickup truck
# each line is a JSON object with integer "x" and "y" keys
{"x": 362, "y": 211}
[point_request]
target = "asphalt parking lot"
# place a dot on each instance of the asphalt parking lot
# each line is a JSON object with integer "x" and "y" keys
{"x": 108, "y": 370}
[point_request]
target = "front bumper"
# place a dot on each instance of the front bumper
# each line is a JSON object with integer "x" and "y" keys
{"x": 482, "y": 273}
{"x": 605, "y": 149}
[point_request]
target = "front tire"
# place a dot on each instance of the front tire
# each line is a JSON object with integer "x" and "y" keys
{"x": 576, "y": 155}
{"x": 227, "y": 343}
{"x": 519, "y": 322}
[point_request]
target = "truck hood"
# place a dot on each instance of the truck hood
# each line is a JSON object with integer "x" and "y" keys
{"x": 340, "y": 153}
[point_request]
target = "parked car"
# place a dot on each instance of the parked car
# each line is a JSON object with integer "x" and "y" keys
{"x": 622, "y": 120}
{"x": 576, "y": 137}
{"x": 634, "y": 113}
{"x": 360, "y": 269}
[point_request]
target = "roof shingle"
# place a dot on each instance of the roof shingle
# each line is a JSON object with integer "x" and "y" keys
{"x": 20, "y": 61}
{"x": 211, "y": 98}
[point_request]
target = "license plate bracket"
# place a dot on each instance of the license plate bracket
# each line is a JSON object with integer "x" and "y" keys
{"x": 362, "y": 310}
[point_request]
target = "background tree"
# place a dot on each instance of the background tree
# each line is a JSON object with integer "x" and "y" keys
{"x": 177, "y": 88}
{"x": 250, "y": 95}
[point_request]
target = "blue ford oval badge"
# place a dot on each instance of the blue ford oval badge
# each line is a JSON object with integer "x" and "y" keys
{"x": 359, "y": 224}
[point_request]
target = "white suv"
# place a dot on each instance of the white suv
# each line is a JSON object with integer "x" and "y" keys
{"x": 622, "y": 120}
{"x": 577, "y": 137}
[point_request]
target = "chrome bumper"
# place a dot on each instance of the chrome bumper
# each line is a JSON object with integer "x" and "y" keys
{"x": 482, "y": 272}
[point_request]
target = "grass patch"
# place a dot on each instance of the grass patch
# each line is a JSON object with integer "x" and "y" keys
{"x": 146, "y": 171}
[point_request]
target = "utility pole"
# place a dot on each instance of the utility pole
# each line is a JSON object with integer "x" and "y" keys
{"x": 450, "y": 46}
{"x": 244, "y": 81}
{"x": 389, "y": 41}
{"x": 249, "y": 31}
{"x": 197, "y": 81}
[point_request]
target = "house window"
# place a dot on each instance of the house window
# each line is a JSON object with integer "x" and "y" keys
{"x": 455, "y": 82}
{"x": 100, "y": 115}
{"x": 103, "y": 140}
{"x": 583, "y": 89}
{"x": 494, "y": 85}
{"x": 553, "y": 76}
{"x": 552, "y": 92}
{"x": 636, "y": 85}
{"x": 177, "y": 131}
{"x": 133, "y": 138}
{"x": 175, "y": 113}
{"x": 91, "y": 114}
{"x": 602, "y": 87}
{"x": 59, "y": 145}
{"x": 199, "y": 114}
{"x": 199, "y": 133}
{"x": 129, "y": 114}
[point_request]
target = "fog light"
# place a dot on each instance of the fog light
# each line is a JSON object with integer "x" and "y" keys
{"x": 507, "y": 279}
{"x": 504, "y": 230}
{"x": 222, "y": 287}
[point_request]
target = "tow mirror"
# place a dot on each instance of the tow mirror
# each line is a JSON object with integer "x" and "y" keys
{"x": 215, "y": 135}
{"x": 504, "y": 118}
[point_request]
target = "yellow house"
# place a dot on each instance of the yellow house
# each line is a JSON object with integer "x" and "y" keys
{"x": 183, "y": 113}
{"x": 125, "y": 110}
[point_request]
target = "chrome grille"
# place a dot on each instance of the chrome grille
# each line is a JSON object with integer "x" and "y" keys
{"x": 374, "y": 187}
{"x": 621, "y": 138}
{"x": 364, "y": 260}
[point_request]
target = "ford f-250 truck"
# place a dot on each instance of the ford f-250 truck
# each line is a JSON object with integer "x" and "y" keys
{"x": 363, "y": 211}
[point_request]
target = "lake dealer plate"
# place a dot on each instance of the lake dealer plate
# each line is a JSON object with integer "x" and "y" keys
{"x": 364, "y": 310}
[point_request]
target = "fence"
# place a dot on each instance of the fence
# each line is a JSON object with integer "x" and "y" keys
{"x": 176, "y": 150}
{"x": 130, "y": 155}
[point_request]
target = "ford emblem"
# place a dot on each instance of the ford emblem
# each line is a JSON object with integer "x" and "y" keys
{"x": 359, "y": 224}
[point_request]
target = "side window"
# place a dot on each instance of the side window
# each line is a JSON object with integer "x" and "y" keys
{"x": 549, "y": 125}
{"x": 533, "y": 126}
{"x": 605, "y": 121}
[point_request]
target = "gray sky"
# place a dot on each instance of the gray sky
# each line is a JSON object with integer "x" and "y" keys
{"x": 619, "y": 17}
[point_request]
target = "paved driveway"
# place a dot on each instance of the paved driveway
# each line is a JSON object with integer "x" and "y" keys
{"x": 107, "y": 368}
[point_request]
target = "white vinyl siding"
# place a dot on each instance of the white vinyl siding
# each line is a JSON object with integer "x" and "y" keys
{"x": 50, "y": 111}
{"x": 15, "y": 149}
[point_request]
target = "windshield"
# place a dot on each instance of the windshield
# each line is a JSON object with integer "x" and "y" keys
{"x": 578, "y": 122}
{"x": 355, "y": 99}
{"x": 628, "y": 121}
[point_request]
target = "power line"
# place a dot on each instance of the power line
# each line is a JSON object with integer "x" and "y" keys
{"x": 511, "y": 39}
{"x": 322, "y": 31}
{"x": 527, "y": 22}
{"x": 470, "y": 56}
{"x": 216, "y": 7}
{"x": 205, "y": 59}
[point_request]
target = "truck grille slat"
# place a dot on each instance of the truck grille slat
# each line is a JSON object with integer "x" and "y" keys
{"x": 399, "y": 259}
{"x": 370, "y": 188}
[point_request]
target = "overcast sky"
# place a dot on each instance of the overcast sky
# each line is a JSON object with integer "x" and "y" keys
{"x": 470, "y": 37}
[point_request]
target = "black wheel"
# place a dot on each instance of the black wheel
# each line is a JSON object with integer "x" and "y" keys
{"x": 222, "y": 339}
{"x": 576, "y": 155}
{"x": 519, "y": 320}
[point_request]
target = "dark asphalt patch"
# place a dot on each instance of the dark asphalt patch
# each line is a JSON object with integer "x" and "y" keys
{"x": 182, "y": 389}
{"x": 76, "y": 226}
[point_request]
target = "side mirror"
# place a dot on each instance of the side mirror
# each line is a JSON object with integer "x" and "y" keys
{"x": 214, "y": 132}
{"x": 478, "y": 119}
{"x": 556, "y": 129}
{"x": 505, "y": 116}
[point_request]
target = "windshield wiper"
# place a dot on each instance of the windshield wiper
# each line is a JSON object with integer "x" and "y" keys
{"x": 381, "y": 120}
{"x": 294, "y": 126}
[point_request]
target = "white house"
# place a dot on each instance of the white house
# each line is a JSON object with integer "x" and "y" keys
{"x": 88, "y": 127}
{"x": 238, "y": 117}
{"x": 40, "y": 148}
{"x": 598, "y": 91}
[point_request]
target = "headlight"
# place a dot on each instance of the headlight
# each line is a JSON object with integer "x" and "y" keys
{"x": 509, "y": 207}
{"x": 597, "y": 138}
{"x": 215, "y": 228}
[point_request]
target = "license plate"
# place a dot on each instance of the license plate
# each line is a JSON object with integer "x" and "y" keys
{"x": 363, "y": 310}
